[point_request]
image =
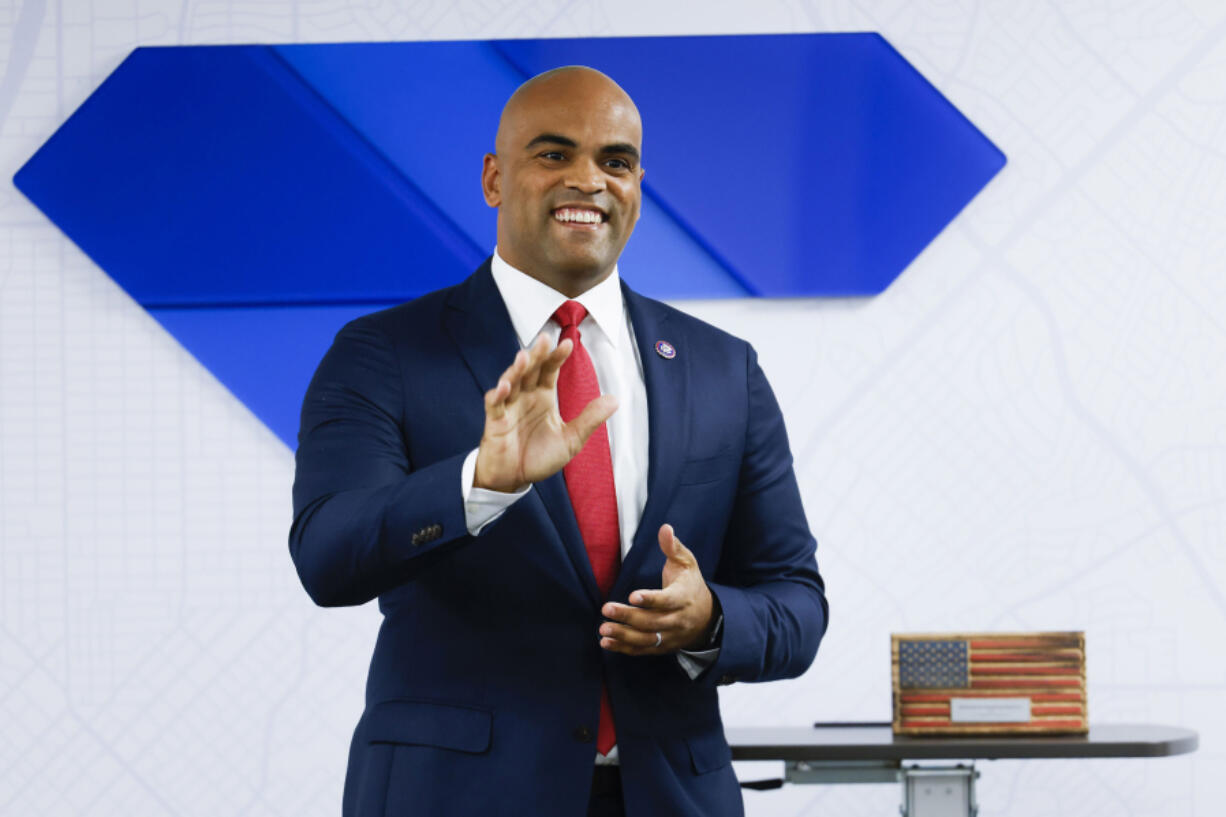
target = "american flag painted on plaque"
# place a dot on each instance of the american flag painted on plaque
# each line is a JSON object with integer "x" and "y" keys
{"x": 989, "y": 683}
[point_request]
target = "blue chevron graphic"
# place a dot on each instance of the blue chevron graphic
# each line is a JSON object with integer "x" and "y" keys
{"x": 253, "y": 198}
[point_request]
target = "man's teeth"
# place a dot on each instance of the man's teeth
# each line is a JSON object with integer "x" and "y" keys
{"x": 581, "y": 216}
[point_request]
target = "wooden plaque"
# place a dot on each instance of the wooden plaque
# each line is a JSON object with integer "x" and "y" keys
{"x": 989, "y": 683}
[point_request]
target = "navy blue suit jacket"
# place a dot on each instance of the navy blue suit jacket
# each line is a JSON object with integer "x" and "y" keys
{"x": 483, "y": 690}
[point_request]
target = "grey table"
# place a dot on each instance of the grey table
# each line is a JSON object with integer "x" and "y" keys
{"x": 871, "y": 753}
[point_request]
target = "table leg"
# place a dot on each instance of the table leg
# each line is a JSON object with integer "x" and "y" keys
{"x": 942, "y": 791}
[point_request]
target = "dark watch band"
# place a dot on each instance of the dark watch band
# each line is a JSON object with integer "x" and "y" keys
{"x": 716, "y": 631}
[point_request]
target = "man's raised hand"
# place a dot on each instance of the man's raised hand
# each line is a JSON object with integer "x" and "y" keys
{"x": 525, "y": 440}
{"x": 676, "y": 617}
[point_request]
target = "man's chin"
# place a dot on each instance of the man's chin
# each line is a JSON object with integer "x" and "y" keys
{"x": 582, "y": 261}
{"x": 583, "y": 272}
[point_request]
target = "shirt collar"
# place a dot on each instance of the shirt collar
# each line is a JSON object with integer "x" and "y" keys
{"x": 531, "y": 304}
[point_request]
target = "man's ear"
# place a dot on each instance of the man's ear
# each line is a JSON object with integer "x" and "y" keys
{"x": 642, "y": 173}
{"x": 491, "y": 181}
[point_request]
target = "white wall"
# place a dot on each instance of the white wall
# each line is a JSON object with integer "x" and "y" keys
{"x": 1024, "y": 432}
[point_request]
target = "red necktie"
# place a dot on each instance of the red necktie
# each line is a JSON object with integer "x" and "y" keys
{"x": 589, "y": 480}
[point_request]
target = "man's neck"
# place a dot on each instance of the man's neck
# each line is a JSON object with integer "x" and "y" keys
{"x": 571, "y": 285}
{"x": 530, "y": 301}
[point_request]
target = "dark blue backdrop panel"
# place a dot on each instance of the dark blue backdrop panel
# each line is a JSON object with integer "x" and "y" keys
{"x": 215, "y": 175}
{"x": 255, "y": 197}
{"x": 431, "y": 109}
{"x": 815, "y": 164}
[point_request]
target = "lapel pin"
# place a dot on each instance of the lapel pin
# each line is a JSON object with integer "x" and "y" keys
{"x": 665, "y": 350}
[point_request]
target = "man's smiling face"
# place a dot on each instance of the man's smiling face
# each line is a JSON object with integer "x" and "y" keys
{"x": 566, "y": 178}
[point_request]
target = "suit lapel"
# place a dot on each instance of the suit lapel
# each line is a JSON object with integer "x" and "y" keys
{"x": 478, "y": 322}
{"x": 667, "y": 381}
{"x": 554, "y": 496}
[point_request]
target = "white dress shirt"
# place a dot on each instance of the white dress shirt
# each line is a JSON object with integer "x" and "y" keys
{"x": 608, "y": 336}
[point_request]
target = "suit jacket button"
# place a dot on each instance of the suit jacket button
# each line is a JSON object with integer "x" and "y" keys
{"x": 417, "y": 537}
{"x": 583, "y": 734}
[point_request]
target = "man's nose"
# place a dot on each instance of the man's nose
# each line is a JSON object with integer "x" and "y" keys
{"x": 585, "y": 176}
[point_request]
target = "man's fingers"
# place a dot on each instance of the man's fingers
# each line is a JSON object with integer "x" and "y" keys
{"x": 593, "y": 414}
{"x": 640, "y": 619}
{"x": 553, "y": 364}
{"x": 538, "y": 352}
{"x": 662, "y": 600}
{"x": 495, "y": 400}
{"x": 513, "y": 374}
{"x": 673, "y": 548}
{"x": 633, "y": 642}
{"x": 613, "y": 645}
{"x": 674, "y": 615}
{"x": 524, "y": 372}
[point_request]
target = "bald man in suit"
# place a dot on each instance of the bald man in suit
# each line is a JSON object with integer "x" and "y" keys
{"x": 575, "y": 505}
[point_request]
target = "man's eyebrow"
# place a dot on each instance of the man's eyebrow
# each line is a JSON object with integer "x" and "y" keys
{"x": 622, "y": 147}
{"x": 551, "y": 139}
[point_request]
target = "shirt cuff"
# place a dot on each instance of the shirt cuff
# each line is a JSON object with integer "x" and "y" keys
{"x": 695, "y": 663}
{"x": 481, "y": 506}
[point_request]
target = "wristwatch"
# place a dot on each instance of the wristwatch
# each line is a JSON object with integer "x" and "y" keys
{"x": 716, "y": 632}
{"x": 717, "y": 629}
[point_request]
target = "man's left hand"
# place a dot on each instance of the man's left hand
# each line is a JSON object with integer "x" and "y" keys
{"x": 680, "y": 612}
